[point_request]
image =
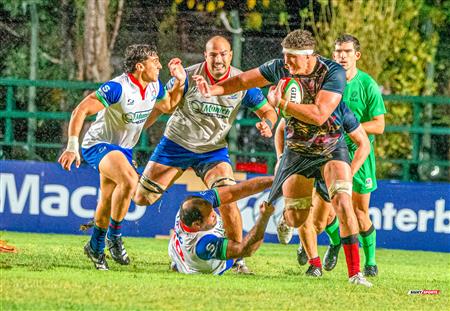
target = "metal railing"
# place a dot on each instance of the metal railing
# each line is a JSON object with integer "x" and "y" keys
{"x": 9, "y": 113}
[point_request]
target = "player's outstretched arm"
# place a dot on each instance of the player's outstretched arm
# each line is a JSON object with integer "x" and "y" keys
{"x": 253, "y": 240}
{"x": 359, "y": 137}
{"x": 233, "y": 193}
{"x": 90, "y": 105}
{"x": 243, "y": 81}
{"x": 179, "y": 74}
{"x": 175, "y": 94}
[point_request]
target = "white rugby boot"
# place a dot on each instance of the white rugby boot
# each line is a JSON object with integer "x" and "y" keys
{"x": 284, "y": 232}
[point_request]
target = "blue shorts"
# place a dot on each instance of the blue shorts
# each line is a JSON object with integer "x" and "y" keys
{"x": 93, "y": 155}
{"x": 171, "y": 154}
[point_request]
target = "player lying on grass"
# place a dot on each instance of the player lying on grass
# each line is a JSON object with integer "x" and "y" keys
{"x": 199, "y": 243}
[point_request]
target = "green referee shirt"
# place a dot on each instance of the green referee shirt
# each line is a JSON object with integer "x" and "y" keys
{"x": 363, "y": 96}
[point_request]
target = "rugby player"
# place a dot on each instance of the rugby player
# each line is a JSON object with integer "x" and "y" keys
{"x": 195, "y": 135}
{"x": 315, "y": 144}
{"x": 320, "y": 203}
{"x": 362, "y": 95}
{"x": 200, "y": 243}
{"x": 123, "y": 106}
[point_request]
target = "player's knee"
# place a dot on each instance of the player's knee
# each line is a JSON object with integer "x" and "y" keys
{"x": 296, "y": 210}
{"x": 340, "y": 187}
{"x": 128, "y": 182}
{"x": 297, "y": 203}
{"x": 362, "y": 217}
{"x": 342, "y": 196}
{"x": 148, "y": 191}
{"x": 319, "y": 226}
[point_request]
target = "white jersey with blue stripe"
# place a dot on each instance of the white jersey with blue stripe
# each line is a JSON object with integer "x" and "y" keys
{"x": 200, "y": 251}
{"x": 127, "y": 106}
{"x": 201, "y": 124}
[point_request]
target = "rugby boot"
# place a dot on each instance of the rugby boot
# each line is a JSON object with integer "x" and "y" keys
{"x": 284, "y": 232}
{"x": 241, "y": 268}
{"x": 359, "y": 279}
{"x": 99, "y": 260}
{"x": 370, "y": 270}
{"x": 118, "y": 251}
{"x": 331, "y": 257}
{"x": 302, "y": 258}
{"x": 314, "y": 271}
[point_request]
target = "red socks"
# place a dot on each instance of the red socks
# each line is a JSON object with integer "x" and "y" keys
{"x": 316, "y": 262}
{"x": 351, "y": 250}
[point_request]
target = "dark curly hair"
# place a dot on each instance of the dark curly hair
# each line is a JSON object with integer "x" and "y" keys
{"x": 137, "y": 53}
{"x": 299, "y": 39}
{"x": 348, "y": 38}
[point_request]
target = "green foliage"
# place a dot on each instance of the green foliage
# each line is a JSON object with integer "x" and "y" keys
{"x": 50, "y": 272}
{"x": 168, "y": 39}
{"x": 394, "y": 52}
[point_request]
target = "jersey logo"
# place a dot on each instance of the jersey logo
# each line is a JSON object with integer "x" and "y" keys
{"x": 178, "y": 248}
{"x": 135, "y": 117}
{"x": 106, "y": 88}
{"x": 369, "y": 183}
{"x": 130, "y": 101}
{"x": 211, "y": 248}
{"x": 354, "y": 96}
{"x": 101, "y": 150}
{"x": 210, "y": 109}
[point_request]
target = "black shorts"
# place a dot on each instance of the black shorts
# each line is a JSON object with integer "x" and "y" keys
{"x": 296, "y": 163}
{"x": 321, "y": 189}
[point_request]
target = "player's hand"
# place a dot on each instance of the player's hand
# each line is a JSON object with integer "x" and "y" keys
{"x": 264, "y": 128}
{"x": 67, "y": 158}
{"x": 177, "y": 70}
{"x": 266, "y": 209}
{"x": 202, "y": 85}
{"x": 275, "y": 94}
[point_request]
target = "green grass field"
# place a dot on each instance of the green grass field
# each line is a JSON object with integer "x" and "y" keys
{"x": 51, "y": 272}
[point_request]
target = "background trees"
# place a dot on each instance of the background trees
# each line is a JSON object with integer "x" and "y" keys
{"x": 405, "y": 45}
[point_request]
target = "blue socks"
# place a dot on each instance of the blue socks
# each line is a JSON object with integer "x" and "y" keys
{"x": 98, "y": 240}
{"x": 114, "y": 230}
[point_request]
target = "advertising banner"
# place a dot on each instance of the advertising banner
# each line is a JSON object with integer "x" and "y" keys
{"x": 42, "y": 197}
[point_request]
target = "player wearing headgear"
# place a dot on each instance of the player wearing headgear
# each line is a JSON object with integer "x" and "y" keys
{"x": 320, "y": 201}
{"x": 315, "y": 144}
{"x": 362, "y": 95}
{"x": 200, "y": 243}
{"x": 124, "y": 106}
{"x": 195, "y": 135}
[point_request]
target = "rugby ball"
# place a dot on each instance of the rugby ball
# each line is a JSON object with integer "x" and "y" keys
{"x": 292, "y": 92}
